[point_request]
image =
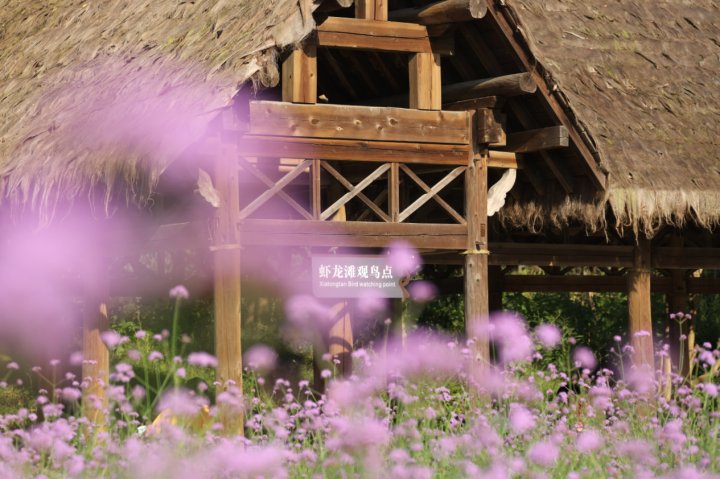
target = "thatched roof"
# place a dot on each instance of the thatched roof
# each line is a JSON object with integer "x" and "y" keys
{"x": 89, "y": 91}
{"x": 643, "y": 78}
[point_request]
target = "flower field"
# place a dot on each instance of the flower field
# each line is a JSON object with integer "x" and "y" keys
{"x": 415, "y": 407}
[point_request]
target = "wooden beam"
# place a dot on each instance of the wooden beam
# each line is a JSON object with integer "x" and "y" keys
{"x": 351, "y": 234}
{"x": 359, "y": 123}
{"x": 523, "y": 283}
{"x": 502, "y": 159}
{"x": 352, "y": 150}
{"x": 476, "y": 253}
{"x": 507, "y": 85}
{"x": 299, "y": 75}
{"x": 560, "y": 255}
{"x": 445, "y": 11}
{"x": 686, "y": 258}
{"x": 374, "y": 35}
{"x": 227, "y": 291}
{"x": 639, "y": 306}
{"x": 96, "y": 364}
{"x": 537, "y": 140}
{"x": 425, "y": 82}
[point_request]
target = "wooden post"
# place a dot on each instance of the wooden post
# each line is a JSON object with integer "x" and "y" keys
{"x": 425, "y": 82}
{"x": 96, "y": 363}
{"x": 476, "y": 255}
{"x": 226, "y": 252}
{"x": 299, "y": 75}
{"x": 639, "y": 305}
{"x": 371, "y": 9}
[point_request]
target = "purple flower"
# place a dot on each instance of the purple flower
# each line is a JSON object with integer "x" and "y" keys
{"x": 202, "y": 359}
{"x": 584, "y": 358}
{"x": 181, "y": 373}
{"x": 179, "y": 291}
{"x": 155, "y": 356}
{"x": 548, "y": 334}
{"x": 422, "y": 291}
{"x": 544, "y": 453}
{"x": 12, "y": 365}
{"x": 110, "y": 338}
{"x": 404, "y": 259}
{"x": 261, "y": 357}
{"x": 71, "y": 394}
{"x": 589, "y": 441}
{"x": 521, "y": 419}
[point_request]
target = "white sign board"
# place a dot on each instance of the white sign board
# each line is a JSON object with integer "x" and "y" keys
{"x": 354, "y": 276}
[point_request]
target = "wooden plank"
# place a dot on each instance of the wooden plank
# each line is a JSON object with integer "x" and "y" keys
{"x": 431, "y": 193}
{"x": 639, "y": 306}
{"x": 349, "y": 186}
{"x": 96, "y": 364}
{"x": 358, "y": 123}
{"x": 353, "y": 150}
{"x": 227, "y": 291}
{"x": 425, "y": 82}
{"x": 299, "y": 75}
{"x": 373, "y": 35}
{"x": 456, "y": 216}
{"x": 538, "y": 139}
{"x": 560, "y": 255}
{"x": 477, "y": 306}
{"x": 351, "y": 234}
{"x": 445, "y": 11}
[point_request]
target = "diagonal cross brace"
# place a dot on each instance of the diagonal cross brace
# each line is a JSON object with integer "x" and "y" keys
{"x": 355, "y": 191}
{"x": 432, "y": 193}
{"x": 275, "y": 189}
{"x": 349, "y": 186}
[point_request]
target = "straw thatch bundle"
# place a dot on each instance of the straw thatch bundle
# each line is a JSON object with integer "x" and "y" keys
{"x": 642, "y": 78}
{"x": 92, "y": 91}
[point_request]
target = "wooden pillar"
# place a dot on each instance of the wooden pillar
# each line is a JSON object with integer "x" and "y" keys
{"x": 299, "y": 75}
{"x": 639, "y": 305}
{"x": 425, "y": 82}
{"x": 476, "y": 255}
{"x": 371, "y": 9}
{"x": 227, "y": 293}
{"x": 96, "y": 363}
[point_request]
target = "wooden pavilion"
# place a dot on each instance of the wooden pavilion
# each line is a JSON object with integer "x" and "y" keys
{"x": 593, "y": 122}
